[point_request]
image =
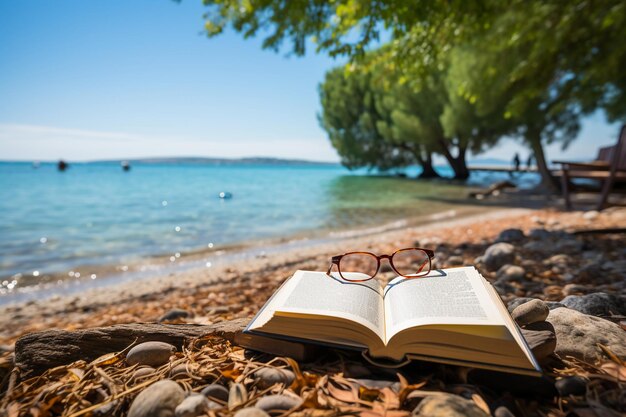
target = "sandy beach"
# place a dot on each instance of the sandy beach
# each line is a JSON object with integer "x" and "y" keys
{"x": 576, "y": 258}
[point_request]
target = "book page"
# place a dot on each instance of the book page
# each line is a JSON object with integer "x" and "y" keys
{"x": 318, "y": 294}
{"x": 455, "y": 296}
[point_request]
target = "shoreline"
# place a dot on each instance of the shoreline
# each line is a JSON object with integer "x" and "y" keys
{"x": 237, "y": 289}
{"x": 16, "y": 317}
{"x": 101, "y": 276}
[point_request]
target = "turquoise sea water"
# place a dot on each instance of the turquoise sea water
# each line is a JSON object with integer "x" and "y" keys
{"x": 95, "y": 214}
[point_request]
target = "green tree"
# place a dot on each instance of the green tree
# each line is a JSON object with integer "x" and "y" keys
{"x": 350, "y": 118}
{"x": 551, "y": 62}
{"x": 417, "y": 118}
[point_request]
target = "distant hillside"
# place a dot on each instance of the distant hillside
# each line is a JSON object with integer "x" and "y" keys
{"x": 223, "y": 161}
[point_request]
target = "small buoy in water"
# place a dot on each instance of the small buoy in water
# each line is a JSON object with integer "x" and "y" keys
{"x": 125, "y": 165}
{"x": 225, "y": 194}
{"x": 62, "y": 165}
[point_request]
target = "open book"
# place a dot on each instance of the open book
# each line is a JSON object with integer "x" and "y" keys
{"x": 451, "y": 316}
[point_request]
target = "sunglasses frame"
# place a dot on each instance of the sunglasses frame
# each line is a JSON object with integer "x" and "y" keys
{"x": 336, "y": 260}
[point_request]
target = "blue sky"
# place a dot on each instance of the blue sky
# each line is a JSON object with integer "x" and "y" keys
{"x": 85, "y": 80}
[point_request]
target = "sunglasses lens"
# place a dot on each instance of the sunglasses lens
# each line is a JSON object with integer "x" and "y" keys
{"x": 411, "y": 262}
{"x": 358, "y": 262}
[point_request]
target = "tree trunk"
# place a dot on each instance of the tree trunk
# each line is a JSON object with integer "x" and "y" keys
{"x": 459, "y": 166}
{"x": 427, "y": 167}
{"x": 457, "y": 163}
{"x": 548, "y": 181}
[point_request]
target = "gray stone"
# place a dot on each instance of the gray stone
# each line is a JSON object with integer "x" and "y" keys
{"x": 597, "y": 304}
{"x": 510, "y": 273}
{"x": 216, "y": 391}
{"x": 541, "y": 338}
{"x": 539, "y": 233}
{"x": 618, "y": 266}
{"x": 251, "y": 412}
{"x": 575, "y": 289}
{"x": 503, "y": 288}
{"x": 498, "y": 255}
{"x": 278, "y": 402}
{"x": 174, "y": 314}
{"x": 266, "y": 377}
{"x": 447, "y": 405}
{"x": 540, "y": 246}
{"x": 510, "y": 235}
{"x": 141, "y": 373}
{"x": 553, "y": 304}
{"x": 573, "y": 385}
{"x": 592, "y": 273}
{"x": 511, "y": 305}
{"x": 530, "y": 312}
{"x": 152, "y": 354}
{"x": 158, "y": 400}
{"x": 578, "y": 335}
{"x": 193, "y": 406}
{"x": 568, "y": 244}
{"x": 180, "y": 371}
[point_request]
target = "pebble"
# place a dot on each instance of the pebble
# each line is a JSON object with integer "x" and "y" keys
{"x": 597, "y": 304}
{"x": 216, "y": 391}
{"x": 590, "y": 215}
{"x": 539, "y": 246}
{"x": 510, "y": 235}
{"x": 571, "y": 245}
{"x": 578, "y": 335}
{"x": 159, "y": 399}
{"x": 530, "y": 312}
{"x": 498, "y": 255}
{"x": 266, "y": 377}
{"x": 592, "y": 273}
{"x": 180, "y": 371}
{"x": 575, "y": 289}
{"x": 561, "y": 260}
{"x": 502, "y": 411}
{"x": 510, "y": 273}
{"x": 455, "y": 261}
{"x": 503, "y": 288}
{"x": 447, "y": 405}
{"x": 152, "y": 354}
{"x": 278, "y": 402}
{"x": 251, "y": 412}
{"x": 539, "y": 234}
{"x": 517, "y": 302}
{"x": 573, "y": 385}
{"x": 237, "y": 395}
{"x": 174, "y": 314}
{"x": 141, "y": 373}
{"x": 194, "y": 405}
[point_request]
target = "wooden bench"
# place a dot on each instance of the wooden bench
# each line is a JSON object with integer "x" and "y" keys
{"x": 609, "y": 167}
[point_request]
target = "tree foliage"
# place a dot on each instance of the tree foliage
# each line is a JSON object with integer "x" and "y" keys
{"x": 530, "y": 69}
{"x": 368, "y": 108}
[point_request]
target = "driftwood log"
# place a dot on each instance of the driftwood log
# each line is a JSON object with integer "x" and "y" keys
{"x": 39, "y": 351}
{"x": 36, "y": 352}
